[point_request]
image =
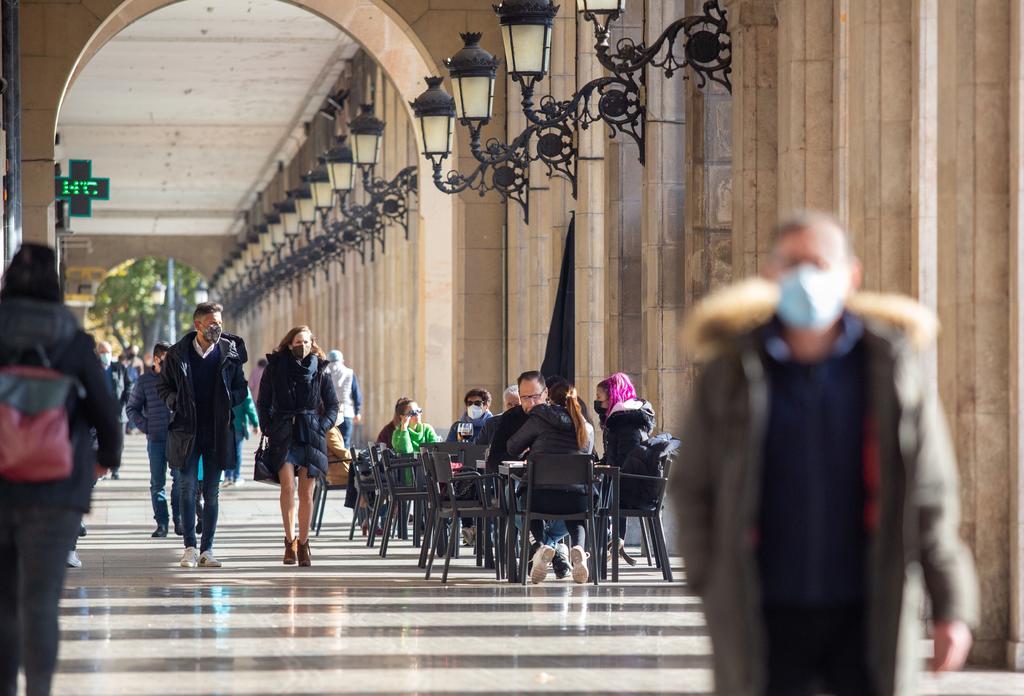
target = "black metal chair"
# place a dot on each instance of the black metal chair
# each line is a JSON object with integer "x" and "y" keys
{"x": 648, "y": 514}
{"x": 380, "y": 490}
{"x": 361, "y": 477}
{"x": 406, "y": 486}
{"x": 320, "y": 492}
{"x": 443, "y": 504}
{"x": 557, "y": 471}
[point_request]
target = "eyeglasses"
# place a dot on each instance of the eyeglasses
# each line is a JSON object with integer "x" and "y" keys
{"x": 478, "y": 402}
{"x": 416, "y": 412}
{"x": 532, "y": 397}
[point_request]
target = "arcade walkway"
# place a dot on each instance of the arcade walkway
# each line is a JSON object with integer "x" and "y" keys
{"x": 133, "y": 622}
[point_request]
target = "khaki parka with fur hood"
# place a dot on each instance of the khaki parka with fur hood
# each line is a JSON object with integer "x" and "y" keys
{"x": 912, "y": 509}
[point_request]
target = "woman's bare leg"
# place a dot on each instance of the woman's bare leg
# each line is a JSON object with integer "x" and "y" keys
{"x": 287, "y": 478}
{"x": 306, "y": 486}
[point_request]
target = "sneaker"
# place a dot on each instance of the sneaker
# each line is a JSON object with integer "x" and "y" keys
{"x": 227, "y": 483}
{"x": 541, "y": 563}
{"x": 73, "y": 560}
{"x": 207, "y": 560}
{"x": 561, "y": 561}
{"x": 160, "y": 533}
{"x": 578, "y": 557}
{"x": 190, "y": 559}
{"x": 469, "y": 536}
{"x": 239, "y": 481}
{"x": 115, "y": 475}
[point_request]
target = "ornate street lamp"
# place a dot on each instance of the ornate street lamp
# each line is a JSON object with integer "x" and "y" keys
{"x": 158, "y": 295}
{"x": 526, "y": 32}
{"x": 289, "y": 221}
{"x": 473, "y": 71}
{"x": 306, "y": 206}
{"x": 202, "y": 293}
{"x": 323, "y": 192}
{"x": 341, "y": 170}
{"x": 367, "y": 131}
{"x": 435, "y": 111}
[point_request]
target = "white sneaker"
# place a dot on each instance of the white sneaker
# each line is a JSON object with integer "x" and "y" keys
{"x": 469, "y": 536}
{"x": 73, "y": 560}
{"x": 207, "y": 560}
{"x": 541, "y": 562}
{"x": 239, "y": 481}
{"x": 578, "y": 558}
{"x": 227, "y": 483}
{"x": 190, "y": 559}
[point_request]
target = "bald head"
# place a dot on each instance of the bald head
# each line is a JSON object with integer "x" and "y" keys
{"x": 814, "y": 238}
{"x": 103, "y": 347}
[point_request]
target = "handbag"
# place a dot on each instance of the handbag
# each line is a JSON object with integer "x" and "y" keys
{"x": 261, "y": 472}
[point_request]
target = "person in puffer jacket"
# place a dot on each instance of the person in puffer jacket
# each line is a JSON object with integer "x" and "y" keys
{"x": 148, "y": 412}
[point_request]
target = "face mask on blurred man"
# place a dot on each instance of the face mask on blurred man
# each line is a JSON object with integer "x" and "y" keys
{"x": 811, "y": 297}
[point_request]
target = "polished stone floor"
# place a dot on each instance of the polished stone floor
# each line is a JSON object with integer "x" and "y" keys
{"x": 133, "y": 622}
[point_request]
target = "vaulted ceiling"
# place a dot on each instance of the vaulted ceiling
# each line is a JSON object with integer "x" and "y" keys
{"x": 189, "y": 109}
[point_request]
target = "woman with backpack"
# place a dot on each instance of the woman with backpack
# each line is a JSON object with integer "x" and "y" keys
{"x": 39, "y": 520}
{"x": 297, "y": 406}
{"x": 626, "y": 421}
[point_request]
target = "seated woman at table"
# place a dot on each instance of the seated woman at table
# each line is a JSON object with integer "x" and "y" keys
{"x": 411, "y": 432}
{"x": 557, "y": 427}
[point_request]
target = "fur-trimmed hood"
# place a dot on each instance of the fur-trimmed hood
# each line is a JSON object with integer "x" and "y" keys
{"x": 725, "y": 315}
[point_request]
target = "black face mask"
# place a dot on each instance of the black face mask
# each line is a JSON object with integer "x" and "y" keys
{"x": 212, "y": 333}
{"x": 299, "y": 352}
{"x": 599, "y": 409}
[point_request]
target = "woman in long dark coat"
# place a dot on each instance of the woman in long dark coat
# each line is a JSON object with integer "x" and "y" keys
{"x": 297, "y": 404}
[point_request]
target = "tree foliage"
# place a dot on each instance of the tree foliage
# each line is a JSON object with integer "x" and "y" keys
{"x": 124, "y": 305}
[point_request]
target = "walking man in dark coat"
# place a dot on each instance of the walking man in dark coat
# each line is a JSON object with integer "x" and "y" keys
{"x": 201, "y": 380}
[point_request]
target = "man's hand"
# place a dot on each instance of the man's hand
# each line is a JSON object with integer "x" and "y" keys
{"x": 952, "y": 641}
{"x": 358, "y": 419}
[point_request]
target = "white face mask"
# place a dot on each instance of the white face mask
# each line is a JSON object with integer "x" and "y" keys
{"x": 475, "y": 412}
{"x": 812, "y": 298}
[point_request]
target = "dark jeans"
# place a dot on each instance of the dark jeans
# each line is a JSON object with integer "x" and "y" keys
{"x": 817, "y": 648}
{"x": 345, "y": 427}
{"x": 34, "y": 545}
{"x": 554, "y": 502}
{"x": 188, "y": 485}
{"x": 236, "y": 473}
{"x": 158, "y": 481}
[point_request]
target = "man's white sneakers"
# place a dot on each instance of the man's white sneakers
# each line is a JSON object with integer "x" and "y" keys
{"x": 578, "y": 558}
{"x": 73, "y": 560}
{"x": 190, "y": 559}
{"x": 207, "y": 560}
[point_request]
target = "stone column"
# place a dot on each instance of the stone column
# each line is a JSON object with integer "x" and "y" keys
{"x": 754, "y": 29}
{"x": 666, "y": 372}
{"x": 591, "y": 277}
{"x": 1015, "y": 644}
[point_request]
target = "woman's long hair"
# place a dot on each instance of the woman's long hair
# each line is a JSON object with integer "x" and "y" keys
{"x": 399, "y": 409}
{"x": 285, "y": 346}
{"x": 619, "y": 388}
{"x": 564, "y": 394}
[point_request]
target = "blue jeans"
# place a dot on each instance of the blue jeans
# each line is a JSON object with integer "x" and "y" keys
{"x": 158, "y": 480}
{"x": 236, "y": 473}
{"x": 345, "y": 426}
{"x": 189, "y": 482}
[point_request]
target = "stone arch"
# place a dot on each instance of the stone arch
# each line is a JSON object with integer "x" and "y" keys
{"x": 73, "y": 32}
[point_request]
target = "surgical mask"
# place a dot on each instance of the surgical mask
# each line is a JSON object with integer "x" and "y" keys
{"x": 475, "y": 412}
{"x": 105, "y": 359}
{"x": 212, "y": 333}
{"x": 811, "y": 298}
{"x": 300, "y": 352}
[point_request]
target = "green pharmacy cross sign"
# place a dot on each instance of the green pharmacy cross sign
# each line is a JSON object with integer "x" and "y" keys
{"x": 80, "y": 189}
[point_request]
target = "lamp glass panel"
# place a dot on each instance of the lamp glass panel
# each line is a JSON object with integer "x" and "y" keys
{"x": 307, "y": 209}
{"x": 158, "y": 295}
{"x": 277, "y": 233}
{"x": 601, "y": 6}
{"x": 342, "y": 175}
{"x": 323, "y": 194}
{"x": 437, "y": 135}
{"x": 291, "y": 222}
{"x": 474, "y": 96}
{"x": 266, "y": 242}
{"x": 365, "y": 148}
{"x": 527, "y": 47}
{"x": 201, "y": 295}
{"x": 254, "y": 252}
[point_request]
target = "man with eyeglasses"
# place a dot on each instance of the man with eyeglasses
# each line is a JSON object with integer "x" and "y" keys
{"x": 532, "y": 391}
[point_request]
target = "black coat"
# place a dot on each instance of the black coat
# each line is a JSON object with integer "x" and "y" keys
{"x": 624, "y": 430}
{"x": 508, "y": 423}
{"x": 147, "y": 410}
{"x": 121, "y": 386}
{"x": 548, "y": 430}
{"x": 277, "y": 411}
{"x": 25, "y": 324}
{"x": 175, "y": 388}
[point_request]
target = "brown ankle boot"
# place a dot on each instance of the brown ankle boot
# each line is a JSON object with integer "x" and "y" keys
{"x": 290, "y": 550}
{"x": 304, "y": 558}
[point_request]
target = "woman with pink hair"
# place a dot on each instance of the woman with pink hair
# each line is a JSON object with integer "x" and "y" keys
{"x": 626, "y": 421}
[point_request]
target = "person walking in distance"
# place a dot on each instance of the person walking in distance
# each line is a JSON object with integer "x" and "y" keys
{"x": 201, "y": 381}
{"x": 349, "y": 396}
{"x": 39, "y": 522}
{"x": 817, "y": 485}
{"x": 297, "y": 406}
{"x": 148, "y": 412}
{"x": 120, "y": 386}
